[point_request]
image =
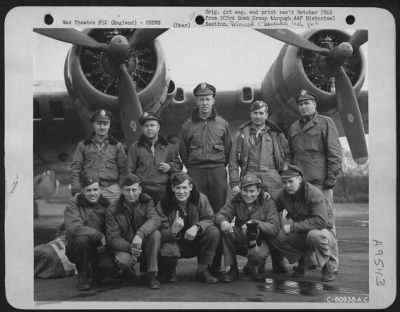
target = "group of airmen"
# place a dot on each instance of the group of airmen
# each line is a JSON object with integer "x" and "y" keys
{"x": 141, "y": 207}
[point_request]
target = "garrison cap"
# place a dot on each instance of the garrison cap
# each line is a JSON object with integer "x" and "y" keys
{"x": 257, "y": 105}
{"x": 149, "y": 116}
{"x": 101, "y": 114}
{"x": 306, "y": 95}
{"x": 250, "y": 179}
{"x": 88, "y": 180}
{"x": 291, "y": 171}
{"x": 204, "y": 88}
{"x": 131, "y": 179}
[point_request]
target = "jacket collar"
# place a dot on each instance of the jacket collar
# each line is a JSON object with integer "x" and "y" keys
{"x": 110, "y": 139}
{"x": 144, "y": 142}
{"x": 196, "y": 115}
{"x": 311, "y": 123}
{"x": 83, "y": 202}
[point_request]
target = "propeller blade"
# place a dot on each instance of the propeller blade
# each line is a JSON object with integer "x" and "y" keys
{"x": 292, "y": 38}
{"x": 71, "y": 35}
{"x": 142, "y": 36}
{"x": 129, "y": 106}
{"x": 358, "y": 38}
{"x": 351, "y": 117}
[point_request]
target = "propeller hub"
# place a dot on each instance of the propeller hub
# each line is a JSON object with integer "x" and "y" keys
{"x": 341, "y": 53}
{"x": 118, "y": 49}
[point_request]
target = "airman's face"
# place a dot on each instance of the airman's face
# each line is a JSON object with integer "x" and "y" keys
{"x": 307, "y": 107}
{"x": 205, "y": 103}
{"x": 182, "y": 191}
{"x": 92, "y": 192}
{"x": 292, "y": 185}
{"x": 101, "y": 127}
{"x": 151, "y": 129}
{"x": 259, "y": 116}
{"x": 131, "y": 193}
{"x": 250, "y": 193}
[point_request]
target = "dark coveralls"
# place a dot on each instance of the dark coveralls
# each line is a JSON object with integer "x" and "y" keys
{"x": 124, "y": 222}
{"x": 198, "y": 212}
{"x": 144, "y": 163}
{"x": 85, "y": 226}
{"x": 263, "y": 155}
{"x": 235, "y": 242}
{"x": 107, "y": 163}
{"x": 204, "y": 148}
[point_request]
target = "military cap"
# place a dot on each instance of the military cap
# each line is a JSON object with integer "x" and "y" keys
{"x": 149, "y": 116}
{"x": 291, "y": 171}
{"x": 306, "y": 95}
{"x": 250, "y": 179}
{"x": 131, "y": 179}
{"x": 204, "y": 88}
{"x": 101, "y": 114}
{"x": 88, "y": 180}
{"x": 257, "y": 105}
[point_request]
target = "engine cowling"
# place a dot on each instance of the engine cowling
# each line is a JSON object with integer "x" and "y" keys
{"x": 93, "y": 80}
{"x": 297, "y": 69}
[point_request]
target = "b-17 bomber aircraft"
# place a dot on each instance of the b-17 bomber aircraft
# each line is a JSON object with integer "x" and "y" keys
{"x": 125, "y": 71}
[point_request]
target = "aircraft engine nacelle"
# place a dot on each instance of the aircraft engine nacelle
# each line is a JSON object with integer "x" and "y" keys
{"x": 93, "y": 79}
{"x": 297, "y": 69}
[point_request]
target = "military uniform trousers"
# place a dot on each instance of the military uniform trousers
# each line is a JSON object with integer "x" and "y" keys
{"x": 150, "y": 246}
{"x": 328, "y": 193}
{"x": 203, "y": 247}
{"x": 212, "y": 182}
{"x": 235, "y": 243}
{"x": 87, "y": 260}
{"x": 155, "y": 193}
{"x": 111, "y": 192}
{"x": 295, "y": 245}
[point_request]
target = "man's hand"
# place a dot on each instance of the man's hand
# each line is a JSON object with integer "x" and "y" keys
{"x": 286, "y": 228}
{"x": 102, "y": 246}
{"x": 178, "y": 224}
{"x": 235, "y": 190}
{"x": 191, "y": 233}
{"x": 164, "y": 167}
{"x": 267, "y": 196}
{"x": 226, "y": 226}
{"x": 285, "y": 218}
{"x": 244, "y": 228}
{"x": 137, "y": 242}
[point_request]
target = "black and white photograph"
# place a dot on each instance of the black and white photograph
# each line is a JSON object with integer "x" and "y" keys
{"x": 213, "y": 161}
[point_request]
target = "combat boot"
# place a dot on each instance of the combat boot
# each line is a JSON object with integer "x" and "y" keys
{"x": 153, "y": 281}
{"x": 231, "y": 275}
{"x": 328, "y": 273}
{"x": 83, "y": 283}
{"x": 206, "y": 277}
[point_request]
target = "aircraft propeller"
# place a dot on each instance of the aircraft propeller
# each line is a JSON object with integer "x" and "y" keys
{"x": 330, "y": 63}
{"x": 116, "y": 51}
